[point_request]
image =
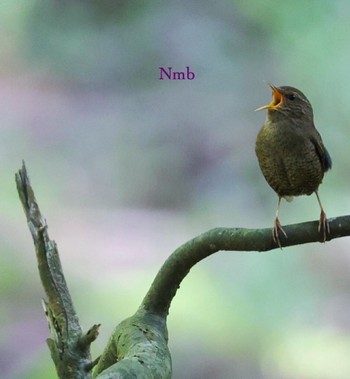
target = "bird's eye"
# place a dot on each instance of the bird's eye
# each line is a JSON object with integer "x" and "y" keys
{"x": 291, "y": 96}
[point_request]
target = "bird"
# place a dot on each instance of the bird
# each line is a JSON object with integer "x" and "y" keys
{"x": 291, "y": 153}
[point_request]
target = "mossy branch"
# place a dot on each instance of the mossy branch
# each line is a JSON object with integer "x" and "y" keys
{"x": 177, "y": 266}
{"x": 138, "y": 346}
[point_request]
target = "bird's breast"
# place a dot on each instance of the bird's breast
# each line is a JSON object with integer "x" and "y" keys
{"x": 288, "y": 160}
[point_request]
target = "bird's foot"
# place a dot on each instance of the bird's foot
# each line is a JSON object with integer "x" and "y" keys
{"x": 277, "y": 227}
{"x": 323, "y": 226}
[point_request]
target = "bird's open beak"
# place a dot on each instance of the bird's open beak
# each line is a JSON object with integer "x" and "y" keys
{"x": 277, "y": 100}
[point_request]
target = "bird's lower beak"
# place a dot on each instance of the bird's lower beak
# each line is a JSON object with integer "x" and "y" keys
{"x": 277, "y": 100}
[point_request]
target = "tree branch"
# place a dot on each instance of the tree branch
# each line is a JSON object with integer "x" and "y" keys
{"x": 138, "y": 346}
{"x": 177, "y": 266}
{"x": 69, "y": 347}
{"x": 158, "y": 299}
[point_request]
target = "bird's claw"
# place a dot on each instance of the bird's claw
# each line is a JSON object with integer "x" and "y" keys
{"x": 277, "y": 227}
{"x": 323, "y": 225}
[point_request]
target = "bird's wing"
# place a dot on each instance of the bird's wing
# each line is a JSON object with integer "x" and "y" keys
{"x": 322, "y": 152}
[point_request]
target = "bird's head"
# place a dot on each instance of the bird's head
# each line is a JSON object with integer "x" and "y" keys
{"x": 288, "y": 102}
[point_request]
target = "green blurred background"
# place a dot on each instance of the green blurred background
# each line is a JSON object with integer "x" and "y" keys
{"x": 127, "y": 167}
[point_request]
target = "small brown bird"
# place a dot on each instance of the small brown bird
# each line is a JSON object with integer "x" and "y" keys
{"x": 290, "y": 151}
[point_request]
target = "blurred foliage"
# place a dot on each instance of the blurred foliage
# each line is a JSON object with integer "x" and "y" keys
{"x": 93, "y": 43}
{"x": 127, "y": 167}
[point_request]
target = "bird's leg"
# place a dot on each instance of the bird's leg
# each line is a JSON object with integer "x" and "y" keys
{"x": 277, "y": 225}
{"x": 323, "y": 224}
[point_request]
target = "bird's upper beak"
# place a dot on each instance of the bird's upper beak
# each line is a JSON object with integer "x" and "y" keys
{"x": 277, "y": 100}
